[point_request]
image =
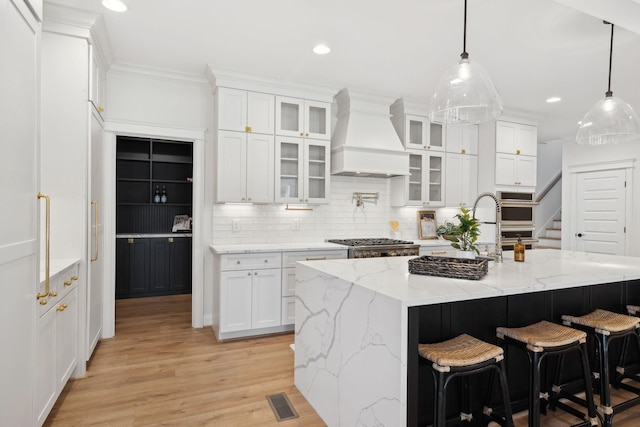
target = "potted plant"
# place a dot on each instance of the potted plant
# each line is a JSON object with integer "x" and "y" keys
{"x": 448, "y": 230}
{"x": 468, "y": 232}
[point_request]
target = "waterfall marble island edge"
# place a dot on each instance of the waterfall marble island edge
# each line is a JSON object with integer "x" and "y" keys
{"x": 352, "y": 322}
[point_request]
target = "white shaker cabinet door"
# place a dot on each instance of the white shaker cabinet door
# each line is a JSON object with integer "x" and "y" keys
{"x": 19, "y": 241}
{"x": 261, "y": 113}
{"x": 266, "y": 298}
{"x": 232, "y": 109}
{"x": 235, "y": 300}
{"x": 231, "y": 167}
{"x": 260, "y": 168}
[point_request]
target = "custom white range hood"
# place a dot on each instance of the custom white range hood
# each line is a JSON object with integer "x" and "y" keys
{"x": 364, "y": 142}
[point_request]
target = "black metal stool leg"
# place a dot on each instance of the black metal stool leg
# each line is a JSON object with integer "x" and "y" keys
{"x": 605, "y": 395}
{"x": 588, "y": 390}
{"x": 534, "y": 397}
{"x": 440, "y": 415}
{"x": 504, "y": 388}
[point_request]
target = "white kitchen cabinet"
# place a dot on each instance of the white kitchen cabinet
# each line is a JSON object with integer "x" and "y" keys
{"x": 19, "y": 240}
{"x": 516, "y": 138}
{"x": 289, "y": 260}
{"x": 249, "y": 292}
{"x": 414, "y": 128}
{"x": 515, "y": 171}
{"x": 302, "y": 170}
{"x": 461, "y": 177}
{"x": 244, "y": 111}
{"x": 97, "y": 81}
{"x": 303, "y": 118}
{"x": 245, "y": 167}
{"x": 56, "y": 340}
{"x": 462, "y": 139}
{"x": 425, "y": 184}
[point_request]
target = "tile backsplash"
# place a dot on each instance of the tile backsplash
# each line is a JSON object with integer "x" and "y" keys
{"x": 340, "y": 218}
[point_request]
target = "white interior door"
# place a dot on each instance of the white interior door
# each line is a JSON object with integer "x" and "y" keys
{"x": 600, "y": 224}
{"x": 95, "y": 290}
{"x": 19, "y": 241}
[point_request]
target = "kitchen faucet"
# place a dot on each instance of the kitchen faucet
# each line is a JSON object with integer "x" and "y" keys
{"x": 497, "y": 254}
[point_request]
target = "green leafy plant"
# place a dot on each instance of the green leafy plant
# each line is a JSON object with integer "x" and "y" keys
{"x": 448, "y": 230}
{"x": 469, "y": 230}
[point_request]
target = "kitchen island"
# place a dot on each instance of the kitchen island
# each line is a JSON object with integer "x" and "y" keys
{"x": 358, "y": 322}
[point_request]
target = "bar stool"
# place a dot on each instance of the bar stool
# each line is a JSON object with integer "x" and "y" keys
{"x": 606, "y": 326}
{"x": 462, "y": 356}
{"x": 540, "y": 340}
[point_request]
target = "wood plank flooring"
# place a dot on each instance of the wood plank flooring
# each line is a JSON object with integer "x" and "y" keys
{"x": 160, "y": 371}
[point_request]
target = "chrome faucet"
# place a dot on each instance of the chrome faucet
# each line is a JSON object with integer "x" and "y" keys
{"x": 497, "y": 254}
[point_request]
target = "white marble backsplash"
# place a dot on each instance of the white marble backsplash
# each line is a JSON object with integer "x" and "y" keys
{"x": 236, "y": 223}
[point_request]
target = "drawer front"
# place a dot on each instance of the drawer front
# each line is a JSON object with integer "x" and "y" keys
{"x": 68, "y": 279}
{"x": 45, "y": 303}
{"x": 250, "y": 261}
{"x": 437, "y": 250}
{"x": 289, "y": 259}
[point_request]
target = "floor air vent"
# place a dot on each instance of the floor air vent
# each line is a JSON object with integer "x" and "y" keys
{"x": 281, "y": 407}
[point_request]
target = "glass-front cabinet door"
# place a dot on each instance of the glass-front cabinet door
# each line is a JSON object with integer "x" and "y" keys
{"x": 289, "y": 170}
{"x": 317, "y": 171}
{"x": 303, "y": 118}
{"x": 302, "y": 170}
{"x": 424, "y": 185}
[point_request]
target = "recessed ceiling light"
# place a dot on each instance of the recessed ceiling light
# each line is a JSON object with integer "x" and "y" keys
{"x": 114, "y": 5}
{"x": 554, "y": 99}
{"x": 321, "y": 49}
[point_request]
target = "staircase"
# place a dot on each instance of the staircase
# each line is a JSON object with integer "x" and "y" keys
{"x": 551, "y": 237}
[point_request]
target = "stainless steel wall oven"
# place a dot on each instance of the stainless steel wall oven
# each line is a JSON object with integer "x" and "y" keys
{"x": 517, "y": 217}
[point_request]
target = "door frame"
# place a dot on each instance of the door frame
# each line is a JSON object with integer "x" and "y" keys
{"x": 574, "y": 170}
{"x": 197, "y": 136}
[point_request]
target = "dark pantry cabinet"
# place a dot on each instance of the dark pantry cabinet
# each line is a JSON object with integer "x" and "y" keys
{"x": 150, "y": 259}
{"x": 153, "y": 266}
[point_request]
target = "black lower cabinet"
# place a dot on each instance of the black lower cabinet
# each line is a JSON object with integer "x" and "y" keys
{"x": 153, "y": 266}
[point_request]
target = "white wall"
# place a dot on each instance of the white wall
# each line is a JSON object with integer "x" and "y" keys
{"x": 578, "y": 155}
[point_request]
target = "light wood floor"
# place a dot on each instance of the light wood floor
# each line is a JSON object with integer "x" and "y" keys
{"x": 160, "y": 371}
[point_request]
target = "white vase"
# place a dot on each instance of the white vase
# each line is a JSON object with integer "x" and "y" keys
{"x": 466, "y": 254}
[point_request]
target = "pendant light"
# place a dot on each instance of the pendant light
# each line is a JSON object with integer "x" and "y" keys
{"x": 610, "y": 120}
{"x": 465, "y": 95}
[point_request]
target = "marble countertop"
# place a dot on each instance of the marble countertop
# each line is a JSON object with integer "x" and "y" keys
{"x": 274, "y": 247}
{"x": 304, "y": 246}
{"x": 543, "y": 270}
{"x": 56, "y": 266}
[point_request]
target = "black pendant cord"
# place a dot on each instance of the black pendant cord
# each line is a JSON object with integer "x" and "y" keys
{"x": 464, "y": 54}
{"x": 609, "y": 93}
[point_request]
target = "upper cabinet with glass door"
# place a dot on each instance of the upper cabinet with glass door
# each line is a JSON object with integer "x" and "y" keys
{"x": 413, "y": 127}
{"x": 303, "y": 118}
{"x": 302, "y": 170}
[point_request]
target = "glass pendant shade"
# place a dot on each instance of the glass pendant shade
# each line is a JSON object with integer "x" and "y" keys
{"x": 609, "y": 121}
{"x": 465, "y": 95}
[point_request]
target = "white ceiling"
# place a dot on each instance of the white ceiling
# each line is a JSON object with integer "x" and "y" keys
{"x": 533, "y": 49}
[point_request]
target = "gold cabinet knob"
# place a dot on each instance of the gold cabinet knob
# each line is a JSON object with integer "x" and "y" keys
{"x": 463, "y": 151}
{"x": 100, "y": 109}
{"x": 67, "y": 283}
{"x": 170, "y": 239}
{"x": 43, "y": 302}
{"x": 249, "y": 274}
{"x": 255, "y": 273}
{"x": 53, "y": 294}
{"x": 62, "y": 307}
{"x": 249, "y": 199}
{"x": 74, "y": 278}
{"x": 307, "y": 134}
{"x": 238, "y": 262}
{"x": 428, "y": 147}
{"x": 517, "y": 151}
{"x": 247, "y": 128}
{"x": 301, "y": 133}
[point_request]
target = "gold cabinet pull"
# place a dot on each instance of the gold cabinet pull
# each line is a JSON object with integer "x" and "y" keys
{"x": 67, "y": 283}
{"x": 47, "y": 247}
{"x": 62, "y": 307}
{"x": 320, "y": 258}
{"x": 95, "y": 203}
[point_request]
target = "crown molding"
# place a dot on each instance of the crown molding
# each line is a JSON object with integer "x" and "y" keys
{"x": 158, "y": 74}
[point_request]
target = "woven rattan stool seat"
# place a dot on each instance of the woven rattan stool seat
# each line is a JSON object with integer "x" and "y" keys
{"x": 543, "y": 334}
{"x": 604, "y": 321}
{"x": 463, "y": 350}
{"x": 633, "y": 309}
